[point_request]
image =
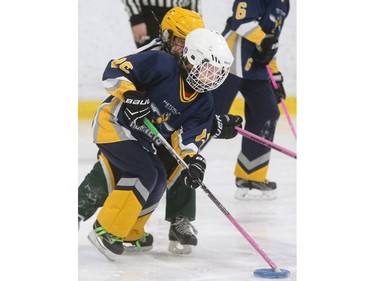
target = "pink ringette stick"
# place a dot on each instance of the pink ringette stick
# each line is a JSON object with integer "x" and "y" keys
{"x": 240, "y": 228}
{"x": 265, "y": 142}
{"x": 274, "y": 84}
{"x": 211, "y": 196}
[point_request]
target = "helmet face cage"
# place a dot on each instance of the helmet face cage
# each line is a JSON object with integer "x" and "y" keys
{"x": 173, "y": 44}
{"x": 204, "y": 76}
{"x": 176, "y": 45}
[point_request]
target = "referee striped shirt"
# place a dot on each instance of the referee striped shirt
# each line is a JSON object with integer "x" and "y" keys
{"x": 134, "y": 7}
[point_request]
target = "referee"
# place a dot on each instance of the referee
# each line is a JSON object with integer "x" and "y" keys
{"x": 143, "y": 23}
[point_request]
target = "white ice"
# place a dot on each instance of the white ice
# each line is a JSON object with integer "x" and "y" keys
{"x": 222, "y": 252}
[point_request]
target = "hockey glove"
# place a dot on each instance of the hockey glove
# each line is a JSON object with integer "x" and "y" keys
{"x": 197, "y": 167}
{"x": 137, "y": 107}
{"x": 267, "y": 49}
{"x": 223, "y": 126}
{"x": 280, "y": 92}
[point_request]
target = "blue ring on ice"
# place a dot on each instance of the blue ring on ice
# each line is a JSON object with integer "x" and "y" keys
{"x": 271, "y": 274}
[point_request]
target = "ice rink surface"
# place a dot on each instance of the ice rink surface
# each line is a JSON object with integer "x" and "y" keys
{"x": 335, "y": 189}
{"x": 222, "y": 252}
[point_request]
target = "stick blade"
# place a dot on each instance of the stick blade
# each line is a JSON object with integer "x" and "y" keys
{"x": 271, "y": 274}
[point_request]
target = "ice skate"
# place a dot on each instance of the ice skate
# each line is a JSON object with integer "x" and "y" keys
{"x": 248, "y": 190}
{"x": 182, "y": 236}
{"x": 141, "y": 245}
{"x": 108, "y": 244}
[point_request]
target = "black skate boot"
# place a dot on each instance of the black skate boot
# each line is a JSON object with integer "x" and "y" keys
{"x": 108, "y": 244}
{"x": 141, "y": 245}
{"x": 247, "y": 189}
{"x": 182, "y": 236}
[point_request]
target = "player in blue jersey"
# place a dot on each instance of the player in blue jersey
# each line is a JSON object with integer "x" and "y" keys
{"x": 252, "y": 34}
{"x": 180, "y": 207}
{"x": 173, "y": 92}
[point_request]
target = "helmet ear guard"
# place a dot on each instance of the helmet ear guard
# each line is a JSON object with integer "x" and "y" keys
{"x": 166, "y": 38}
{"x": 166, "y": 35}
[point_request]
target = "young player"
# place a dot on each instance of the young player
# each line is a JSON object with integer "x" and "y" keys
{"x": 173, "y": 92}
{"x": 252, "y": 34}
{"x": 180, "y": 207}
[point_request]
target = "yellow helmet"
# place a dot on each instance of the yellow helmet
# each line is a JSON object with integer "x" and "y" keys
{"x": 181, "y": 22}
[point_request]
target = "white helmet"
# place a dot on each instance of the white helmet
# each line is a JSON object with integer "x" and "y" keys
{"x": 207, "y": 59}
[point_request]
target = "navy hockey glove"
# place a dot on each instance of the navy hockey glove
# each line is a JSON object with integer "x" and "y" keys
{"x": 280, "y": 92}
{"x": 267, "y": 49}
{"x": 197, "y": 167}
{"x": 223, "y": 126}
{"x": 137, "y": 107}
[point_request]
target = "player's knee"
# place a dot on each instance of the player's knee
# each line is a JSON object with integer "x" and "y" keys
{"x": 150, "y": 179}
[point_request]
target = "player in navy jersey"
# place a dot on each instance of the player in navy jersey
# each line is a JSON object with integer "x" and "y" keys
{"x": 252, "y": 34}
{"x": 180, "y": 207}
{"x": 173, "y": 92}
{"x": 180, "y": 203}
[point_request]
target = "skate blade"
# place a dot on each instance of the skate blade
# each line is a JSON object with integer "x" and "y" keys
{"x": 130, "y": 248}
{"x": 97, "y": 242}
{"x": 254, "y": 194}
{"x": 176, "y": 248}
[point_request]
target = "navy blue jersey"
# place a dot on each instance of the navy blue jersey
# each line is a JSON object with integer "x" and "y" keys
{"x": 251, "y": 21}
{"x": 157, "y": 74}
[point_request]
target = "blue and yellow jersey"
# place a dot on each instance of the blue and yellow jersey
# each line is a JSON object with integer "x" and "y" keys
{"x": 251, "y": 21}
{"x": 157, "y": 74}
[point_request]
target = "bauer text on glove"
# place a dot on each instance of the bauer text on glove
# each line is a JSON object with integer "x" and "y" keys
{"x": 137, "y": 107}
{"x": 195, "y": 173}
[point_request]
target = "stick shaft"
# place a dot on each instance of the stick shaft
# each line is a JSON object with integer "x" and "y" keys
{"x": 265, "y": 142}
{"x": 211, "y": 196}
{"x": 165, "y": 143}
{"x": 288, "y": 117}
{"x": 239, "y": 228}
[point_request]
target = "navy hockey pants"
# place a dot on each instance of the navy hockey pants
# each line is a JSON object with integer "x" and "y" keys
{"x": 261, "y": 113}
